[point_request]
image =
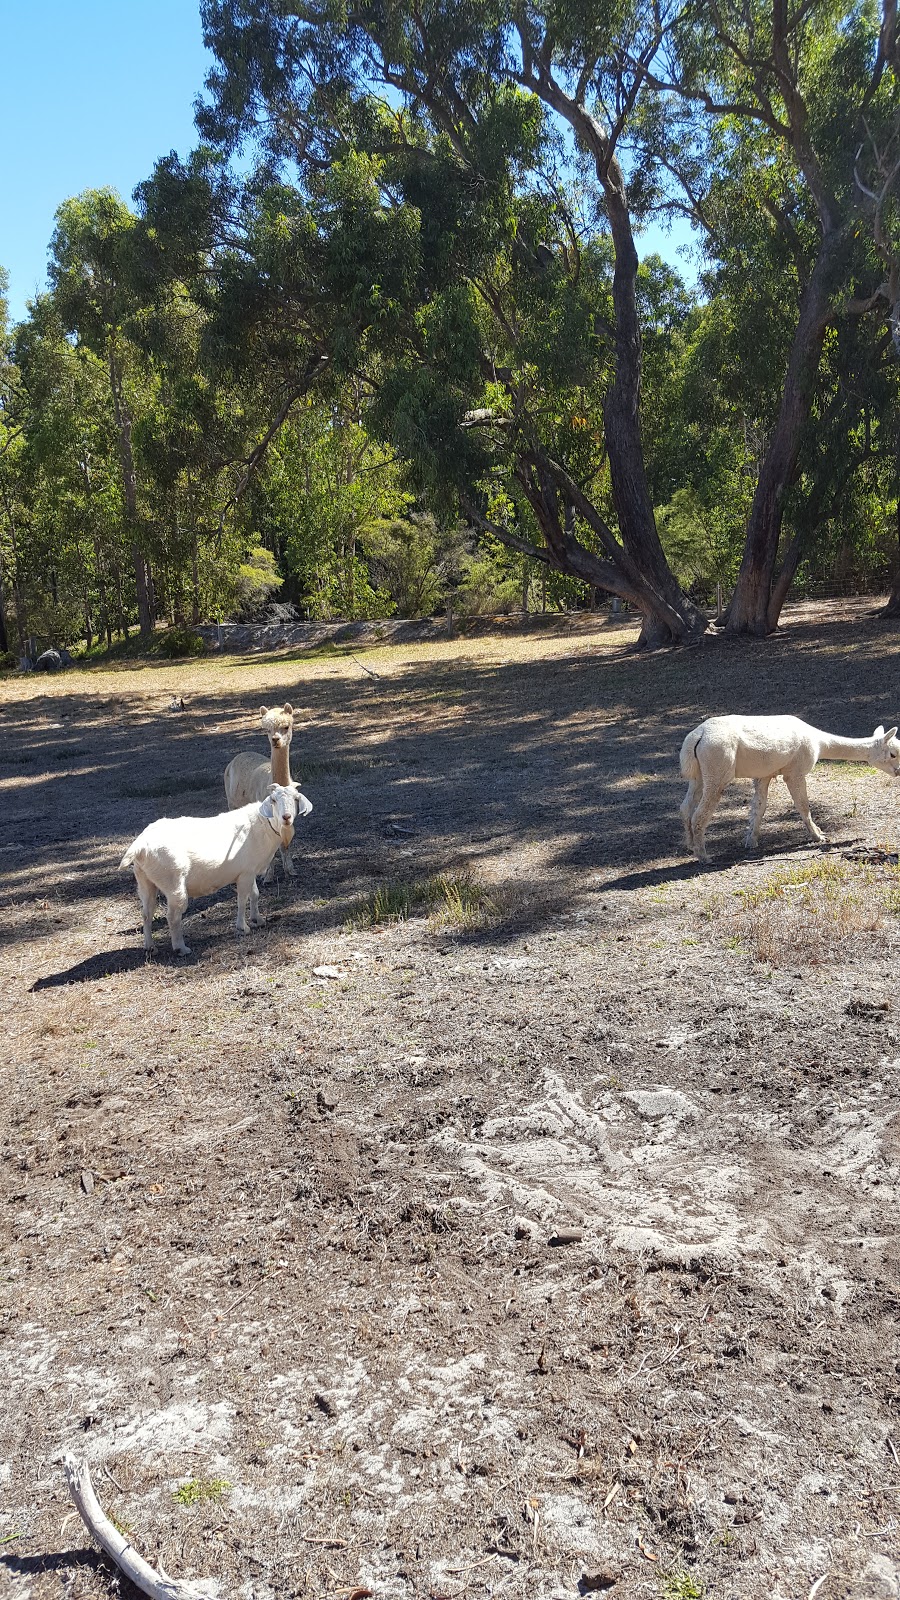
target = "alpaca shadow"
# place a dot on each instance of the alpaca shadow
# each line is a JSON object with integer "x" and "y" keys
{"x": 107, "y": 964}
{"x": 652, "y": 877}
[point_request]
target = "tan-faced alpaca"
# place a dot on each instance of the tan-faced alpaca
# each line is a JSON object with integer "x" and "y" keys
{"x": 248, "y": 774}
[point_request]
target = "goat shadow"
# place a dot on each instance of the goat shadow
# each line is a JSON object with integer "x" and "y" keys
{"x": 107, "y": 964}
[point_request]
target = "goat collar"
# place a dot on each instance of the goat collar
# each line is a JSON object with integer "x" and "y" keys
{"x": 271, "y": 819}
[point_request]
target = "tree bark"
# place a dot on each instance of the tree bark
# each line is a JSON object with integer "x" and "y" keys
{"x": 749, "y": 610}
{"x": 678, "y": 619}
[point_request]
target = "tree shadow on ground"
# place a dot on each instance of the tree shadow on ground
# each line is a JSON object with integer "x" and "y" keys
{"x": 439, "y": 765}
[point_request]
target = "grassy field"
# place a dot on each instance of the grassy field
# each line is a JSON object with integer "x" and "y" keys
{"x": 279, "y": 1249}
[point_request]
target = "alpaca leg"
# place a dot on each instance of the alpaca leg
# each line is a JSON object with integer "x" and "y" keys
{"x": 796, "y": 783}
{"x": 687, "y": 808}
{"x": 176, "y": 906}
{"x": 147, "y": 896}
{"x": 701, "y": 818}
{"x": 757, "y": 811}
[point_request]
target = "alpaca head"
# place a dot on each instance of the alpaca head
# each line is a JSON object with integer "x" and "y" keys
{"x": 886, "y": 755}
{"x": 278, "y": 724}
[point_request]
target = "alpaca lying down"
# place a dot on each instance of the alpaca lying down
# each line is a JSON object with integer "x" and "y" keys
{"x": 763, "y": 748}
{"x": 182, "y": 857}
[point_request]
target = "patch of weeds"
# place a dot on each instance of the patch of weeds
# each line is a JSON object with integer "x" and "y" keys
{"x": 681, "y": 1586}
{"x": 810, "y": 912}
{"x": 857, "y": 770}
{"x": 160, "y": 788}
{"x": 454, "y": 900}
{"x": 196, "y": 1490}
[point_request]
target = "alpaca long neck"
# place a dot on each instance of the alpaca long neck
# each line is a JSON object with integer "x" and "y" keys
{"x": 281, "y": 763}
{"x": 833, "y": 748}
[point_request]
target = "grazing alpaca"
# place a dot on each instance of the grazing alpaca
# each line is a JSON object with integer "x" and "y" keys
{"x": 763, "y": 748}
{"x": 248, "y": 774}
{"x": 182, "y": 857}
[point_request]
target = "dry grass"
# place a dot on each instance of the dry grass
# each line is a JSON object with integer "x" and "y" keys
{"x": 812, "y": 913}
{"x": 450, "y": 900}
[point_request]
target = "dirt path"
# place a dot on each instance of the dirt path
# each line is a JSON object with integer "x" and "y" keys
{"x": 277, "y": 1250}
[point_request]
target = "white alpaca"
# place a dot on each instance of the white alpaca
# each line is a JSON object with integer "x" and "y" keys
{"x": 249, "y": 775}
{"x": 182, "y": 857}
{"x": 763, "y": 748}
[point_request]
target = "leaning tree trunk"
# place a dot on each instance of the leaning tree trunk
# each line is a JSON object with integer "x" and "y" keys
{"x": 622, "y": 423}
{"x": 751, "y": 610}
{"x": 674, "y": 618}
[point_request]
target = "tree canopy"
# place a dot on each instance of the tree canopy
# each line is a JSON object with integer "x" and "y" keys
{"x": 385, "y": 342}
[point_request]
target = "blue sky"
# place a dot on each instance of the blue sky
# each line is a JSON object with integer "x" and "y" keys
{"x": 94, "y": 91}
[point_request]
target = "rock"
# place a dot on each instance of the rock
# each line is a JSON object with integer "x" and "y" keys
{"x": 661, "y": 1102}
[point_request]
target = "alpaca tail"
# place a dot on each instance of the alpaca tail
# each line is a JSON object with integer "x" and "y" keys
{"x": 128, "y": 858}
{"x": 690, "y": 766}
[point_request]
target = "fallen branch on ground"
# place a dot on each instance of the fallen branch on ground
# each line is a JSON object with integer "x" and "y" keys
{"x": 117, "y": 1547}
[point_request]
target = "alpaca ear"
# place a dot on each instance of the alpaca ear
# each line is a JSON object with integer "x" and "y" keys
{"x": 287, "y": 709}
{"x": 263, "y": 712}
{"x": 879, "y": 732}
{"x": 891, "y": 734}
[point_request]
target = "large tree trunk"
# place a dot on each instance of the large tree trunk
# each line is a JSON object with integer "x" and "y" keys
{"x": 622, "y": 422}
{"x": 751, "y": 608}
{"x": 676, "y": 618}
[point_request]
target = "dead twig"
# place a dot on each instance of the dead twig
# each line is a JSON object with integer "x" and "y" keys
{"x": 146, "y": 1578}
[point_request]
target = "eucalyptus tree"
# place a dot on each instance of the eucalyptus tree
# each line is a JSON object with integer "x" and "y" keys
{"x": 764, "y": 109}
{"x": 438, "y": 129}
{"x": 92, "y": 278}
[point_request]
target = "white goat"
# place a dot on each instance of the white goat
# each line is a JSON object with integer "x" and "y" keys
{"x": 763, "y": 748}
{"x": 248, "y": 775}
{"x": 182, "y": 857}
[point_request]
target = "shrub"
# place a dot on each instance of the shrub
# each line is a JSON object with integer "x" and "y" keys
{"x": 179, "y": 642}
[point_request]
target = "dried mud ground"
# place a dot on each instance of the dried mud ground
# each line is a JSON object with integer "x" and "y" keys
{"x": 276, "y": 1249}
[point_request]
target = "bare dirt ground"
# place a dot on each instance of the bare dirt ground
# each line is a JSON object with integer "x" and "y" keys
{"x": 276, "y": 1249}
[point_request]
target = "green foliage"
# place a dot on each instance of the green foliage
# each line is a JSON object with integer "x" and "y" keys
{"x": 198, "y": 1490}
{"x": 257, "y": 580}
{"x": 176, "y": 643}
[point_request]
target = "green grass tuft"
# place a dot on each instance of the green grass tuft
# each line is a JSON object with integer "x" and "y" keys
{"x": 196, "y": 1490}
{"x": 450, "y": 899}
